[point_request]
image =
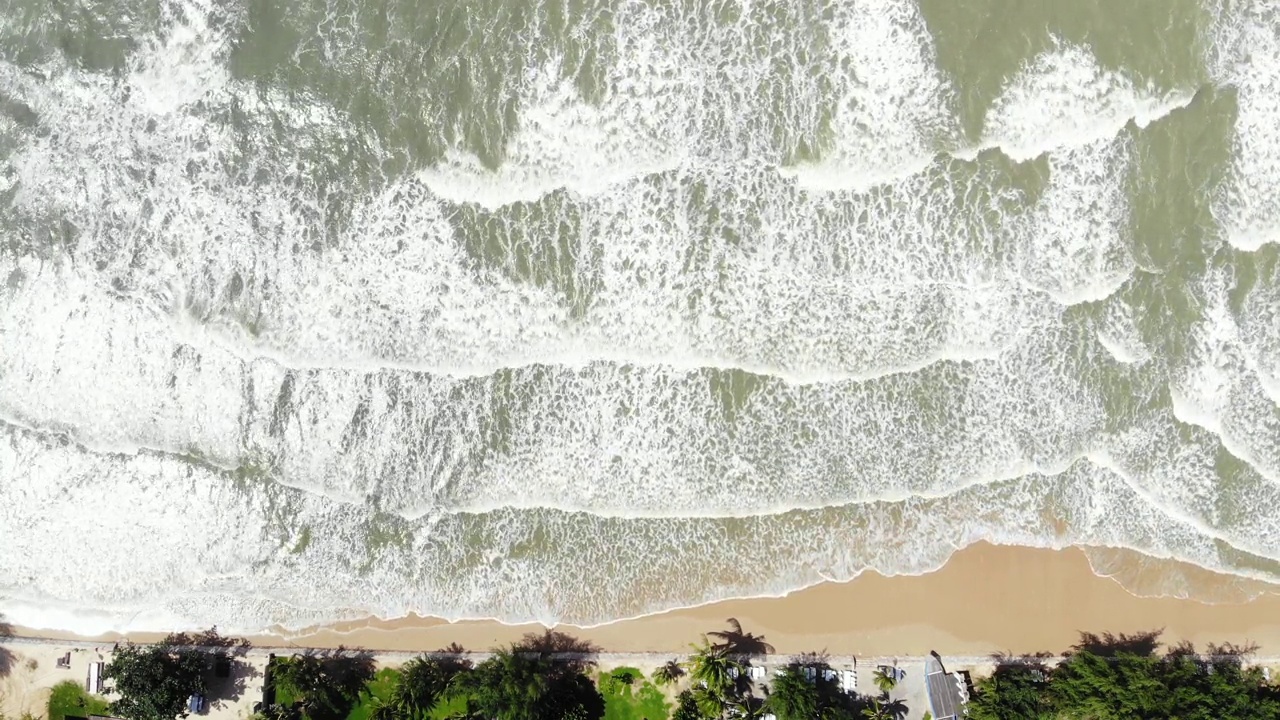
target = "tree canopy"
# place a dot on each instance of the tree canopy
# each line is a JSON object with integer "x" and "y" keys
{"x": 426, "y": 679}
{"x": 807, "y": 689}
{"x": 794, "y": 697}
{"x": 516, "y": 685}
{"x": 328, "y": 681}
{"x": 154, "y": 681}
{"x": 6, "y": 657}
{"x": 1015, "y": 691}
{"x": 686, "y": 707}
{"x": 1122, "y": 677}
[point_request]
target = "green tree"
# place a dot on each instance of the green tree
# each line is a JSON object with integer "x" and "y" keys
{"x": 7, "y": 658}
{"x": 1121, "y": 686}
{"x": 793, "y": 696}
{"x": 686, "y": 707}
{"x": 808, "y": 689}
{"x": 520, "y": 685}
{"x": 1015, "y": 691}
{"x": 1215, "y": 685}
{"x": 209, "y": 639}
{"x": 877, "y": 711}
{"x": 1121, "y": 677}
{"x": 329, "y": 681}
{"x": 424, "y": 680}
{"x": 710, "y": 704}
{"x": 154, "y": 681}
{"x": 884, "y": 679}
{"x": 714, "y": 669}
{"x": 387, "y": 709}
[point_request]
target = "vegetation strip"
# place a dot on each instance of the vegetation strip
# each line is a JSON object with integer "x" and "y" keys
{"x": 554, "y": 676}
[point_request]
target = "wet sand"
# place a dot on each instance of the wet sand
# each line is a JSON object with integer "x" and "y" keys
{"x": 986, "y": 599}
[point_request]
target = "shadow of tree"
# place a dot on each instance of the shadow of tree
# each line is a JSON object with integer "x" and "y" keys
{"x": 209, "y": 639}
{"x": 329, "y": 680}
{"x": 228, "y": 675}
{"x": 1107, "y": 645}
{"x": 7, "y": 658}
{"x": 576, "y": 654}
{"x": 738, "y": 642}
{"x": 554, "y": 641}
{"x": 235, "y": 683}
{"x": 1008, "y": 658}
{"x": 818, "y": 659}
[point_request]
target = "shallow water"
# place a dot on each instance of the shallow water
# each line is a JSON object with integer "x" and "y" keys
{"x": 573, "y": 311}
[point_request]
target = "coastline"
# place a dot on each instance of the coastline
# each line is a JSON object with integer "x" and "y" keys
{"x": 986, "y": 599}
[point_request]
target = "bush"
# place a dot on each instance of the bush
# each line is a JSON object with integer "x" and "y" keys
{"x": 69, "y": 698}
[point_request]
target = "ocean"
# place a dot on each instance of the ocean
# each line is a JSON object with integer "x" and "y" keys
{"x": 577, "y": 310}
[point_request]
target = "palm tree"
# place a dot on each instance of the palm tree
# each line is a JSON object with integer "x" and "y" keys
{"x": 735, "y": 641}
{"x": 425, "y": 679}
{"x": 711, "y": 666}
{"x": 892, "y": 710}
{"x": 885, "y": 679}
{"x": 669, "y": 673}
{"x": 710, "y": 704}
{"x": 385, "y": 709}
{"x": 748, "y": 707}
{"x": 793, "y": 696}
{"x": 876, "y": 711}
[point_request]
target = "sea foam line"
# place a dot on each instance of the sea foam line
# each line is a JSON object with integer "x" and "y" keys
{"x": 234, "y": 344}
{"x": 986, "y": 536}
{"x": 42, "y": 613}
{"x": 1098, "y": 457}
{"x": 814, "y": 178}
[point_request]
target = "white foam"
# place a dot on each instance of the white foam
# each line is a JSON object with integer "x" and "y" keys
{"x": 1118, "y": 333}
{"x": 1246, "y": 55}
{"x": 194, "y": 233}
{"x": 1075, "y": 247}
{"x": 564, "y": 142}
{"x": 1219, "y": 386}
{"x": 1122, "y": 352}
{"x": 1064, "y": 99}
{"x": 490, "y": 565}
{"x": 708, "y": 358}
{"x": 892, "y": 113}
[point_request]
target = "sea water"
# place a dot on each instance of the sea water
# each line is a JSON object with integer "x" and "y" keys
{"x": 575, "y": 310}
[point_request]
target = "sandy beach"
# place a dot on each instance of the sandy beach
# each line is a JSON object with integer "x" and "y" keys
{"x": 986, "y": 599}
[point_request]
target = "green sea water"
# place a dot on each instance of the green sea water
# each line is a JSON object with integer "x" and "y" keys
{"x": 579, "y": 310}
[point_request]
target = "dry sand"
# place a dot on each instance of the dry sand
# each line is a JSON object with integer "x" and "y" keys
{"x": 986, "y": 599}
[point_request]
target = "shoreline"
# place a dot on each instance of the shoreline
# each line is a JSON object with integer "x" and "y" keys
{"x": 985, "y": 599}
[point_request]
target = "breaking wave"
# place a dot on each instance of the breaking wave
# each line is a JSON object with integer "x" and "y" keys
{"x": 624, "y": 290}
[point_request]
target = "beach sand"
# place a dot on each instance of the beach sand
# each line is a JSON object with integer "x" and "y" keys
{"x": 986, "y": 599}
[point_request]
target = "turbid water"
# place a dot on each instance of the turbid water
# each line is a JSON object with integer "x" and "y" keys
{"x": 582, "y": 309}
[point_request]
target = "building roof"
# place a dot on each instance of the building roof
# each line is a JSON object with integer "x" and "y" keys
{"x": 944, "y": 692}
